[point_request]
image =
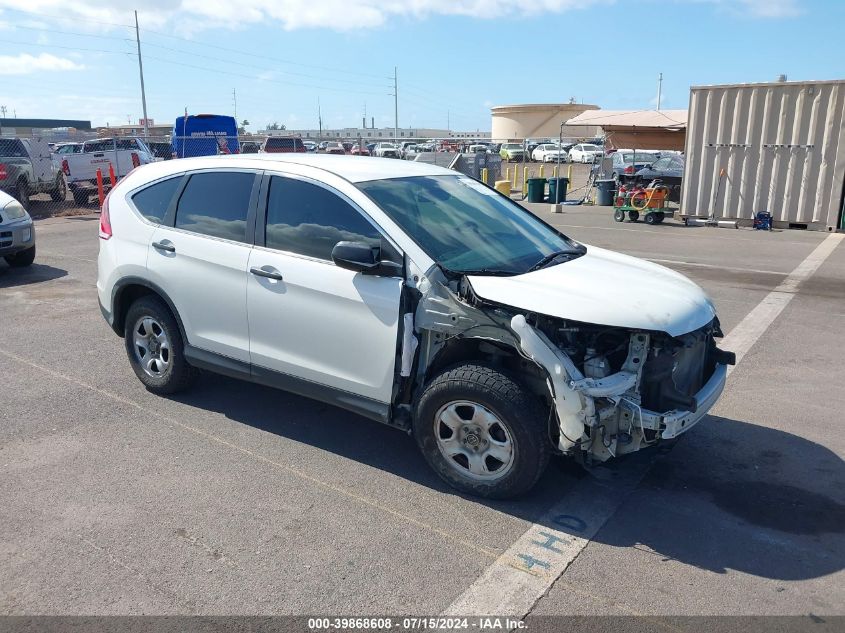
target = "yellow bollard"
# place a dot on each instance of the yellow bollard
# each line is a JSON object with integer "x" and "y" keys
{"x": 569, "y": 173}
{"x": 508, "y": 173}
{"x": 541, "y": 171}
{"x": 484, "y": 175}
{"x": 525, "y": 178}
{"x": 513, "y": 182}
{"x": 555, "y": 172}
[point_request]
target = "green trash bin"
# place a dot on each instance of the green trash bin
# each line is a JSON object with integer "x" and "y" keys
{"x": 553, "y": 185}
{"x": 536, "y": 189}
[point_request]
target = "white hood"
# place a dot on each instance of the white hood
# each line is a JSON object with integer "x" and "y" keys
{"x": 605, "y": 288}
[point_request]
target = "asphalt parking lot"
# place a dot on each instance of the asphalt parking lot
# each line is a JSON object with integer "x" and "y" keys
{"x": 238, "y": 499}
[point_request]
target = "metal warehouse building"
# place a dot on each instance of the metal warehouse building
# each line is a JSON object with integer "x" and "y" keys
{"x": 781, "y": 146}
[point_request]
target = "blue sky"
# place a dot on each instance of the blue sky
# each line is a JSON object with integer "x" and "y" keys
{"x": 455, "y": 58}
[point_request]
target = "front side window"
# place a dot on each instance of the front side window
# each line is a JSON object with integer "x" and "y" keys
{"x": 216, "y": 204}
{"x": 152, "y": 202}
{"x": 467, "y": 227}
{"x": 307, "y": 219}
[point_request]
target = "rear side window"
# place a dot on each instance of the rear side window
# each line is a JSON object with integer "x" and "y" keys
{"x": 309, "y": 220}
{"x": 216, "y": 204}
{"x": 12, "y": 148}
{"x": 153, "y": 201}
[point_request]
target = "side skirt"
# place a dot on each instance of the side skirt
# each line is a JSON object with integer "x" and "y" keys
{"x": 372, "y": 409}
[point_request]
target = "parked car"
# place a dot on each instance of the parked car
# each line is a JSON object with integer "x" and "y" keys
{"x": 333, "y": 147}
{"x": 626, "y": 163}
{"x": 512, "y": 152}
{"x": 123, "y": 154}
{"x": 310, "y": 146}
{"x": 250, "y": 147}
{"x": 204, "y": 135}
{"x": 409, "y": 294}
{"x": 321, "y": 146}
{"x": 27, "y": 167}
{"x": 549, "y": 153}
{"x": 359, "y": 151}
{"x": 386, "y": 150}
{"x": 371, "y": 147}
{"x": 410, "y": 151}
{"x": 283, "y": 145}
{"x": 17, "y": 233}
{"x": 477, "y": 148}
{"x": 668, "y": 169}
{"x": 585, "y": 153}
{"x": 347, "y": 146}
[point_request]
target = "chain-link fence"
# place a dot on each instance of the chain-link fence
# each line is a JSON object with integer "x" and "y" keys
{"x": 61, "y": 174}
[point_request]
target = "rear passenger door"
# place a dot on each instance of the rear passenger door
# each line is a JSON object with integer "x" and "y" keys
{"x": 309, "y": 318}
{"x": 199, "y": 257}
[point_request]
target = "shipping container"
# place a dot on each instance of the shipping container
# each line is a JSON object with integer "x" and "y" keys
{"x": 781, "y": 146}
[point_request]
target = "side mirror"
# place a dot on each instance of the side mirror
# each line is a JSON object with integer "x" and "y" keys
{"x": 355, "y": 256}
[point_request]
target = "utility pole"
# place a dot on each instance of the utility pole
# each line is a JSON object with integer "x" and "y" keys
{"x": 659, "y": 89}
{"x": 141, "y": 73}
{"x": 448, "y": 124}
{"x": 395, "y": 106}
{"x": 319, "y": 120}
{"x": 235, "y": 102}
{"x": 3, "y": 110}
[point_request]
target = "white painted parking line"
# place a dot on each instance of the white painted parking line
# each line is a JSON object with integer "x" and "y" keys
{"x": 680, "y": 262}
{"x": 522, "y": 575}
{"x": 742, "y": 338}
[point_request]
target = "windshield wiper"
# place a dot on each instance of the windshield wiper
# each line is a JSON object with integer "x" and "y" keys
{"x": 493, "y": 272}
{"x": 548, "y": 259}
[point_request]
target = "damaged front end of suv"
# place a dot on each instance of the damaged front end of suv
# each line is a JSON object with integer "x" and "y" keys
{"x": 608, "y": 389}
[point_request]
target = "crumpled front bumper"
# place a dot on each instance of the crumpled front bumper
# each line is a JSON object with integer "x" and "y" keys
{"x": 672, "y": 423}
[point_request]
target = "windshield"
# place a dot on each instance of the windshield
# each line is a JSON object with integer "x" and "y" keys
{"x": 467, "y": 227}
{"x": 590, "y": 148}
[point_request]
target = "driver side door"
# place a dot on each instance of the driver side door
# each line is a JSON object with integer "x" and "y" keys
{"x": 313, "y": 324}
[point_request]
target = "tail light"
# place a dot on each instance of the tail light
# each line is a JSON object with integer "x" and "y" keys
{"x": 66, "y": 167}
{"x": 629, "y": 169}
{"x": 3, "y": 173}
{"x": 136, "y": 161}
{"x": 105, "y": 219}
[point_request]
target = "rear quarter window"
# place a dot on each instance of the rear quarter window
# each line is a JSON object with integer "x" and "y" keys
{"x": 152, "y": 202}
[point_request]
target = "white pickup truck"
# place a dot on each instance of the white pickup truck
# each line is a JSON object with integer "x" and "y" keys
{"x": 123, "y": 154}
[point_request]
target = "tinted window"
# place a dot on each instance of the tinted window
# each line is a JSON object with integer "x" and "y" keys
{"x": 127, "y": 143}
{"x": 153, "y": 201}
{"x": 663, "y": 163}
{"x": 216, "y": 204}
{"x": 289, "y": 144}
{"x": 306, "y": 219}
{"x": 12, "y": 148}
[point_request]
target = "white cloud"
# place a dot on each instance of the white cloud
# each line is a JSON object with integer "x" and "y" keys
{"x": 191, "y": 16}
{"x": 26, "y": 64}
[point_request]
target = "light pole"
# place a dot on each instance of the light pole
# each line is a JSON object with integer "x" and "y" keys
{"x": 557, "y": 176}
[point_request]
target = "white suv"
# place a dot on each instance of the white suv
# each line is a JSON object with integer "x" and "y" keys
{"x": 409, "y": 294}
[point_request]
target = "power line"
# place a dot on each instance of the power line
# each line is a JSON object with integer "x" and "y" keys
{"x": 70, "y": 48}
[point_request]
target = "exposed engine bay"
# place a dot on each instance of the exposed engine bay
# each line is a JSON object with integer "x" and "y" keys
{"x": 610, "y": 390}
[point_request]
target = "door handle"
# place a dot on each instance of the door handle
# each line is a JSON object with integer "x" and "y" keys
{"x": 270, "y": 274}
{"x": 164, "y": 246}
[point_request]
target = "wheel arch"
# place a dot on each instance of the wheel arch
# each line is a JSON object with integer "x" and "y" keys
{"x": 127, "y": 291}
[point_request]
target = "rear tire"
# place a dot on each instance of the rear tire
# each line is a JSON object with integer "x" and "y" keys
{"x": 619, "y": 215}
{"x": 633, "y": 216}
{"x": 21, "y": 259}
{"x": 80, "y": 196}
{"x": 495, "y": 444}
{"x": 59, "y": 194}
{"x": 21, "y": 193}
{"x": 155, "y": 347}
{"x": 651, "y": 218}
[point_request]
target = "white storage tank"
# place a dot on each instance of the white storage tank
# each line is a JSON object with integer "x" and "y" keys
{"x": 781, "y": 146}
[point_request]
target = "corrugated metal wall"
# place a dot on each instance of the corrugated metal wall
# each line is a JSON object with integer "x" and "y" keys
{"x": 782, "y": 146}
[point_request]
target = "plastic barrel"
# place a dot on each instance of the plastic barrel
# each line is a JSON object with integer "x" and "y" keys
{"x": 553, "y": 185}
{"x": 604, "y": 192}
{"x": 536, "y": 189}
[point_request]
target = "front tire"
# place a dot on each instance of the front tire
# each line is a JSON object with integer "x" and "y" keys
{"x": 21, "y": 259}
{"x": 482, "y": 432}
{"x": 155, "y": 347}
